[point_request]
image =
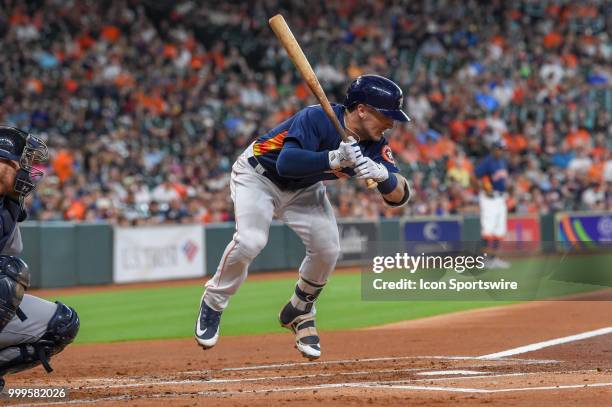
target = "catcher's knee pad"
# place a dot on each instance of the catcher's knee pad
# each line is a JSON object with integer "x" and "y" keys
{"x": 14, "y": 280}
{"x": 61, "y": 331}
{"x": 63, "y": 328}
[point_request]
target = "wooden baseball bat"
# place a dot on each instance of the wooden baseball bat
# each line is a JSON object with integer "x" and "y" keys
{"x": 286, "y": 38}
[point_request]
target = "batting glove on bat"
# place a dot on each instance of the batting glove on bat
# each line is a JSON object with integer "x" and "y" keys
{"x": 347, "y": 155}
{"x": 368, "y": 169}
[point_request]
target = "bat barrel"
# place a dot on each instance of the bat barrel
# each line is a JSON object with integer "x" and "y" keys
{"x": 287, "y": 39}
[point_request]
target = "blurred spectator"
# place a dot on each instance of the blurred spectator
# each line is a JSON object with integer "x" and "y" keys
{"x": 145, "y": 105}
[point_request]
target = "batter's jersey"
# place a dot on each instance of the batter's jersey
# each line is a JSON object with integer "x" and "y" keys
{"x": 313, "y": 131}
{"x": 495, "y": 171}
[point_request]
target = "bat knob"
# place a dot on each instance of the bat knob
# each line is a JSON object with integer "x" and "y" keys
{"x": 371, "y": 183}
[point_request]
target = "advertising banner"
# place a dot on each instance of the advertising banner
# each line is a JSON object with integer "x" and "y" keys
{"x": 432, "y": 234}
{"x": 583, "y": 229}
{"x": 354, "y": 235}
{"x": 151, "y": 253}
{"x": 523, "y": 235}
{"x": 523, "y": 228}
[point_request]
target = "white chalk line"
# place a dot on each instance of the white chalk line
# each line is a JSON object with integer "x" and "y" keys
{"x": 337, "y": 362}
{"x": 469, "y": 390}
{"x": 451, "y": 372}
{"x": 127, "y": 382}
{"x": 245, "y": 379}
{"x": 471, "y": 375}
{"x": 493, "y": 356}
{"x": 274, "y": 378}
{"x": 492, "y": 375}
{"x": 142, "y": 381}
{"x": 201, "y": 393}
{"x": 286, "y": 365}
{"x": 546, "y": 344}
{"x": 375, "y": 385}
{"x": 368, "y": 360}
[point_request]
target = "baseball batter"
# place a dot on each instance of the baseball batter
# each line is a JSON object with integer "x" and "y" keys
{"x": 280, "y": 175}
{"x": 31, "y": 329}
{"x": 493, "y": 173}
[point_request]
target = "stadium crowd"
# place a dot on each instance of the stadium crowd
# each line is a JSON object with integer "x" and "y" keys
{"x": 146, "y": 104}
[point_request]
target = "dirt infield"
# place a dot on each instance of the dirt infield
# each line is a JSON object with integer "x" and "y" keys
{"x": 448, "y": 360}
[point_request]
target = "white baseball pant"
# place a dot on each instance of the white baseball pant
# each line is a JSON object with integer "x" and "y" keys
{"x": 493, "y": 216}
{"x": 257, "y": 200}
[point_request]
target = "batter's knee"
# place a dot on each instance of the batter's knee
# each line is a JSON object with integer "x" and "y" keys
{"x": 328, "y": 252}
{"x": 250, "y": 246}
{"x": 331, "y": 255}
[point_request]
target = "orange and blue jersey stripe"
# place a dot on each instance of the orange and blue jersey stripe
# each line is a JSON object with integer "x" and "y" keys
{"x": 273, "y": 143}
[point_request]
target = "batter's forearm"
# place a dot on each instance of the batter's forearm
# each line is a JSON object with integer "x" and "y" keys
{"x": 400, "y": 194}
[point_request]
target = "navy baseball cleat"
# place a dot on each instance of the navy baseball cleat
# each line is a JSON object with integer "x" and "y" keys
{"x": 207, "y": 326}
{"x": 303, "y": 326}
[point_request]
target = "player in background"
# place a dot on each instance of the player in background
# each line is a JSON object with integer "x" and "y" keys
{"x": 280, "y": 175}
{"x": 31, "y": 329}
{"x": 492, "y": 173}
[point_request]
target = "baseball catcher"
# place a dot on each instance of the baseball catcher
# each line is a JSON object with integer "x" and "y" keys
{"x": 31, "y": 329}
{"x": 280, "y": 175}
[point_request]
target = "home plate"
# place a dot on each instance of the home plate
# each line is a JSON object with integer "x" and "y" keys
{"x": 451, "y": 372}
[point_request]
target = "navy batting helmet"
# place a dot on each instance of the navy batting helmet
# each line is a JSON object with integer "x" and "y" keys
{"x": 379, "y": 93}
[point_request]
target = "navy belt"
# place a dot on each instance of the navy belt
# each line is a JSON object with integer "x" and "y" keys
{"x": 281, "y": 184}
{"x": 262, "y": 171}
{"x": 258, "y": 167}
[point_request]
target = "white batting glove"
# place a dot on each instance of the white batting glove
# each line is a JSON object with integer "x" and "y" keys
{"x": 347, "y": 155}
{"x": 368, "y": 169}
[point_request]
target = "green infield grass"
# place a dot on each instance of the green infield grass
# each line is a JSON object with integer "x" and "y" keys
{"x": 170, "y": 312}
{"x": 156, "y": 313}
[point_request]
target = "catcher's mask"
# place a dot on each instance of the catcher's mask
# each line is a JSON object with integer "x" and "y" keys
{"x": 27, "y": 150}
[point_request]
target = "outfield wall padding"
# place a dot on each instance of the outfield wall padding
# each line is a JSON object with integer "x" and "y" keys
{"x": 94, "y": 253}
{"x": 63, "y": 254}
{"x": 58, "y": 254}
{"x": 30, "y": 234}
{"x": 470, "y": 231}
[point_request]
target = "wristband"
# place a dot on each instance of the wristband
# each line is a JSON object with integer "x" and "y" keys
{"x": 388, "y": 185}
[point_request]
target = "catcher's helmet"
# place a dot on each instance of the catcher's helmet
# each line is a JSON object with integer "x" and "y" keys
{"x": 12, "y": 142}
{"x": 379, "y": 93}
{"x": 17, "y": 145}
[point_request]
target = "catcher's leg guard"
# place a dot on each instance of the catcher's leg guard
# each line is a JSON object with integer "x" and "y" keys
{"x": 61, "y": 331}
{"x": 14, "y": 281}
{"x": 298, "y": 315}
